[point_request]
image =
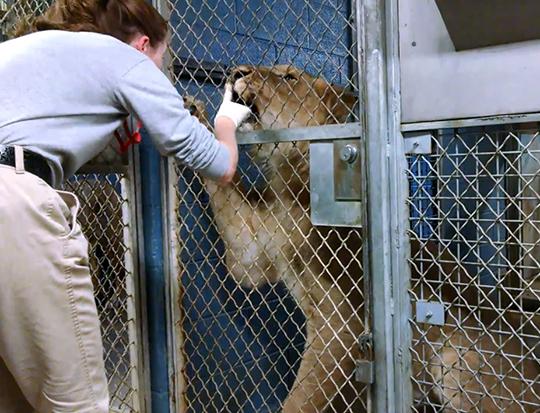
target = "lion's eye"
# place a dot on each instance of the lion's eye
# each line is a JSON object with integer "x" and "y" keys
{"x": 289, "y": 76}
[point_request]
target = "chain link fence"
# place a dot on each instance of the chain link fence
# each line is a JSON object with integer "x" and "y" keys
{"x": 269, "y": 309}
{"x": 271, "y": 312}
{"x": 474, "y": 213}
{"x": 474, "y": 235}
{"x": 210, "y": 37}
{"x": 106, "y": 190}
{"x": 18, "y": 12}
{"x": 106, "y": 218}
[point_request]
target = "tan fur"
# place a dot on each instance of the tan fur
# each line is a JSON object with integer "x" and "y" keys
{"x": 269, "y": 238}
{"x": 474, "y": 370}
{"x": 473, "y": 362}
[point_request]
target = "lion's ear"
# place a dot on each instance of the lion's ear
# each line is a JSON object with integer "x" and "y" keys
{"x": 338, "y": 101}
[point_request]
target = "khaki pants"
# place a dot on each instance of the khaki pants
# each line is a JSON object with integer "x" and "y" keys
{"x": 51, "y": 357}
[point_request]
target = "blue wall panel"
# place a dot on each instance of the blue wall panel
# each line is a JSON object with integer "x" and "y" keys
{"x": 472, "y": 175}
{"x": 422, "y": 189}
{"x": 327, "y": 31}
{"x": 286, "y": 22}
{"x": 264, "y": 33}
{"x": 217, "y": 14}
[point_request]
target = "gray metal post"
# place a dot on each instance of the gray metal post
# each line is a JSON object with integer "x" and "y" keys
{"x": 371, "y": 18}
{"x": 386, "y": 207}
{"x": 399, "y": 217}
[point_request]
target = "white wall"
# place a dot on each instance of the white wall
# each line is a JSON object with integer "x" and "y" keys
{"x": 439, "y": 83}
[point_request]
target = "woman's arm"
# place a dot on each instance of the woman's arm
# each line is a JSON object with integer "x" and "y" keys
{"x": 225, "y": 130}
{"x": 145, "y": 91}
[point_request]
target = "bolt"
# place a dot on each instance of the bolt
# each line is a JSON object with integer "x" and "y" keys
{"x": 429, "y": 314}
{"x": 348, "y": 153}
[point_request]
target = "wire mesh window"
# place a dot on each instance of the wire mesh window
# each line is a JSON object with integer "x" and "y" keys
{"x": 317, "y": 39}
{"x": 255, "y": 335}
{"x": 106, "y": 220}
{"x": 271, "y": 307}
{"x": 14, "y": 13}
{"x": 478, "y": 195}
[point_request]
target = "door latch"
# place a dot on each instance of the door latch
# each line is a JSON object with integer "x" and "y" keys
{"x": 364, "y": 370}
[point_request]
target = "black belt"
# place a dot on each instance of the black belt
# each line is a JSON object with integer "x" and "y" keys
{"x": 33, "y": 163}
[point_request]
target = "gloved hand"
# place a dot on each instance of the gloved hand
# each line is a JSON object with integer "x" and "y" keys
{"x": 234, "y": 111}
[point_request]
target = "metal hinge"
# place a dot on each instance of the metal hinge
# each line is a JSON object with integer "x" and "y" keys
{"x": 418, "y": 143}
{"x": 430, "y": 312}
{"x": 364, "y": 370}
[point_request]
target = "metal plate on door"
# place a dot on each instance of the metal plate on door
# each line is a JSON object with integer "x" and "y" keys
{"x": 430, "y": 312}
{"x": 335, "y": 183}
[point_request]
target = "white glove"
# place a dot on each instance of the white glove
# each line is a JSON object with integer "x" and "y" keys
{"x": 234, "y": 111}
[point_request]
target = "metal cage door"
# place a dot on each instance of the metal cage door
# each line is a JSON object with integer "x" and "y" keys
{"x": 269, "y": 296}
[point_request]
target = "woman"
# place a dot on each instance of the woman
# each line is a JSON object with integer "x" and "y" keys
{"x": 64, "y": 90}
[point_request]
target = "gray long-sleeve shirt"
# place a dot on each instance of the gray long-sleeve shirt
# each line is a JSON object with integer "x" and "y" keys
{"x": 63, "y": 94}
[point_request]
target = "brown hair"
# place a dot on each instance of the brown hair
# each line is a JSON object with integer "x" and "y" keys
{"x": 119, "y": 18}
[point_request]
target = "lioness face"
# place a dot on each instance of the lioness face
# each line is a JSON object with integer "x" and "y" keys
{"x": 283, "y": 97}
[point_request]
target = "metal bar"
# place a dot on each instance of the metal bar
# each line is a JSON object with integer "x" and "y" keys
{"x": 354, "y": 64}
{"x": 399, "y": 219}
{"x": 188, "y": 69}
{"x": 176, "y": 333}
{"x": 165, "y": 400}
{"x": 204, "y": 71}
{"x": 132, "y": 301}
{"x": 150, "y": 164}
{"x": 376, "y": 133}
{"x": 140, "y": 281}
{"x": 317, "y": 133}
{"x": 172, "y": 281}
{"x": 465, "y": 123}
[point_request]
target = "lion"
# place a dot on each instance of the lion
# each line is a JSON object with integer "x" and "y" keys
{"x": 477, "y": 360}
{"x": 269, "y": 238}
